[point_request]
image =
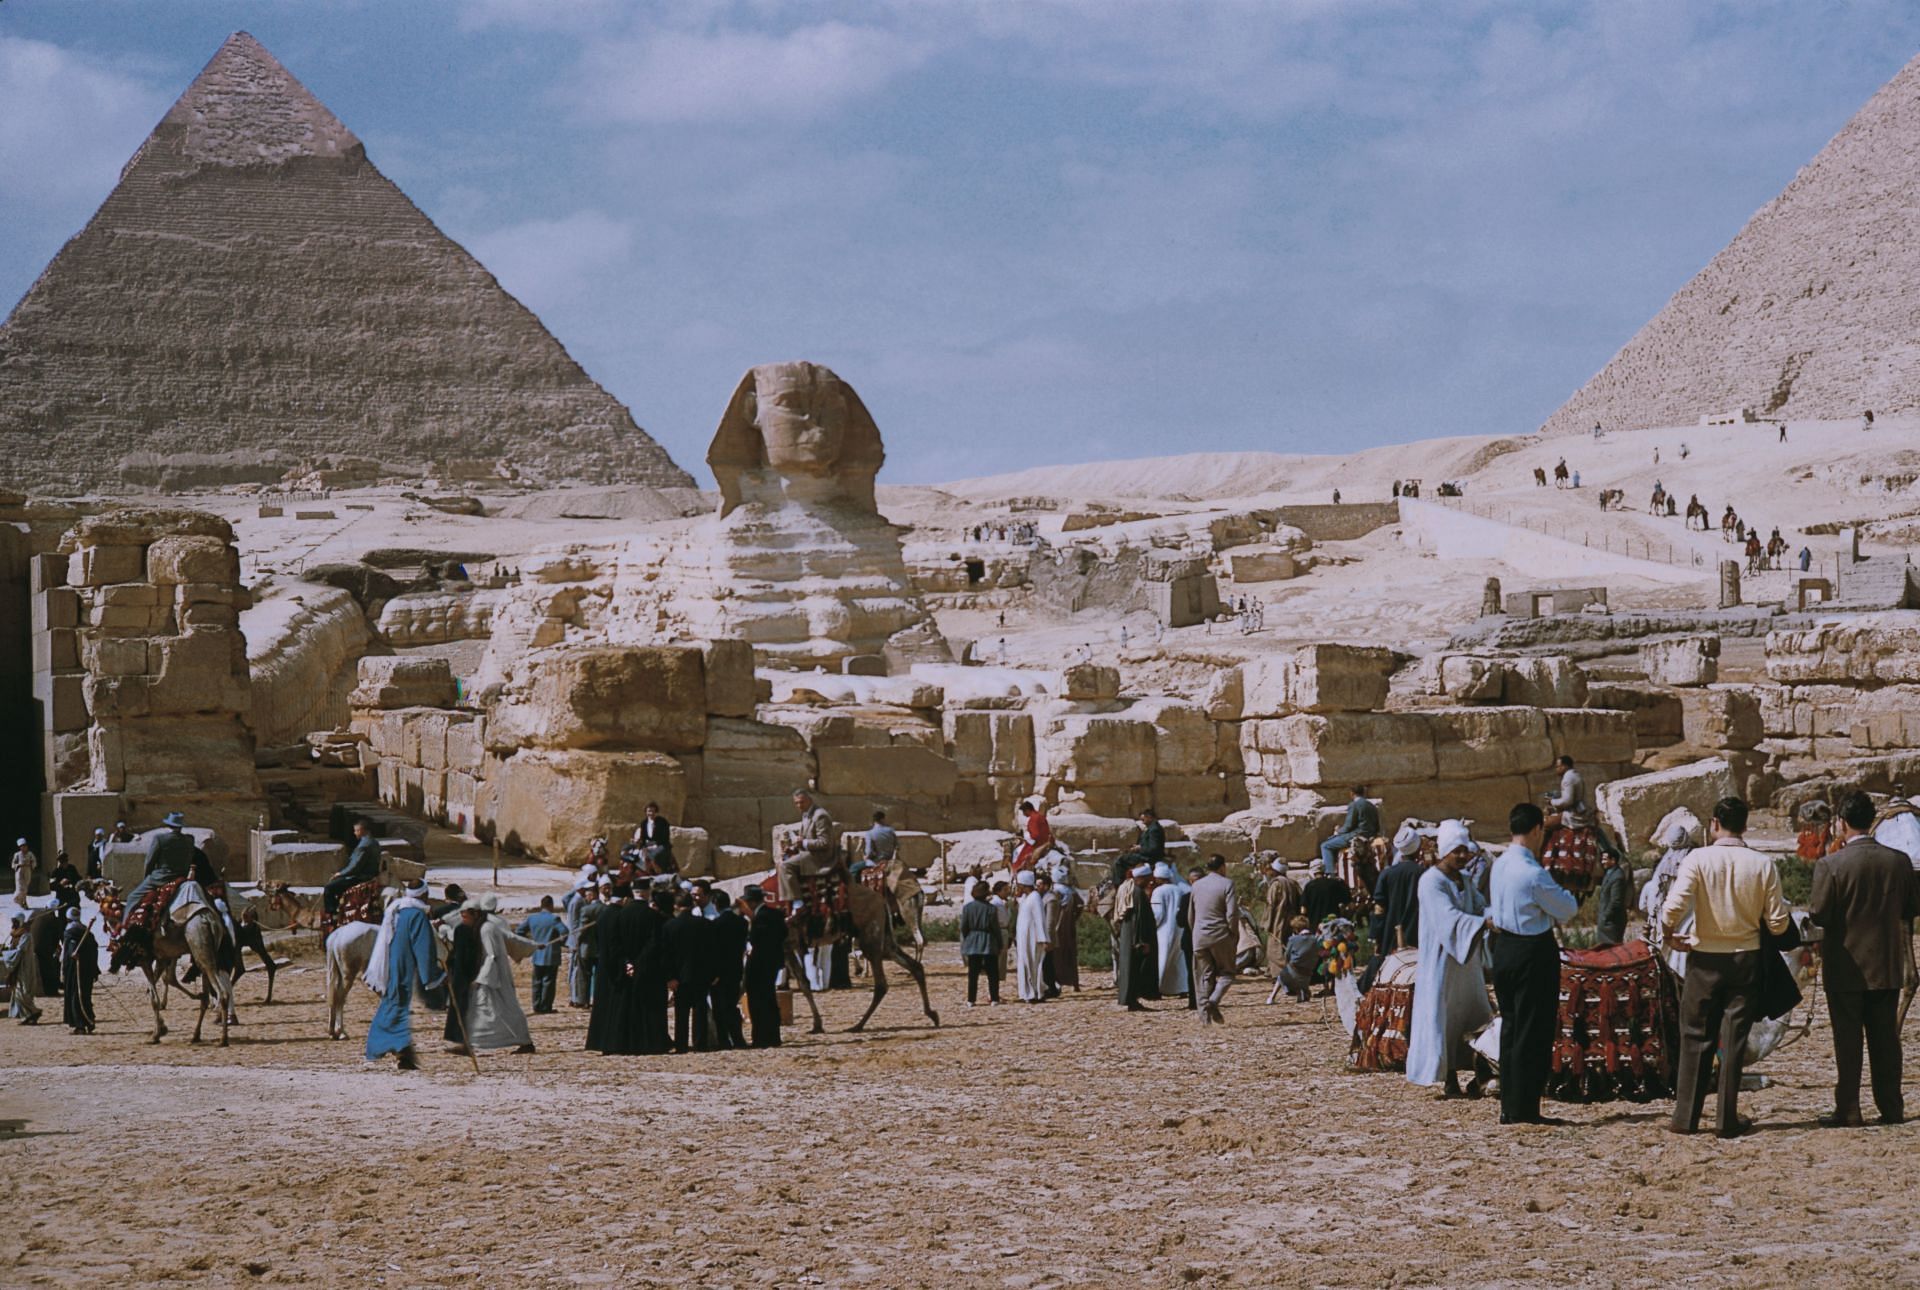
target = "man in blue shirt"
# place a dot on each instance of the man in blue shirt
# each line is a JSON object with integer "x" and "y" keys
{"x": 1525, "y": 907}
{"x": 548, "y": 932}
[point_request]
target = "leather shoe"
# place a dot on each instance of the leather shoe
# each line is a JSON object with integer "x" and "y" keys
{"x": 1898, "y": 1117}
{"x": 1741, "y": 1127}
{"x": 1837, "y": 1120}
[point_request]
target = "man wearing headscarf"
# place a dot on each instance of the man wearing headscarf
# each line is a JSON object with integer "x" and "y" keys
{"x": 1135, "y": 965}
{"x": 20, "y": 968}
{"x": 1030, "y": 940}
{"x": 1324, "y": 895}
{"x": 1168, "y": 894}
{"x": 1396, "y": 902}
{"x": 494, "y": 1019}
{"x": 1064, "y": 960}
{"x": 1283, "y": 902}
{"x": 79, "y": 968}
{"x": 573, "y": 912}
{"x": 403, "y": 961}
{"x": 96, "y": 852}
{"x": 1450, "y": 1001}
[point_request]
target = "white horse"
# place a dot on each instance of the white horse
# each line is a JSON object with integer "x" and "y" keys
{"x": 349, "y": 951}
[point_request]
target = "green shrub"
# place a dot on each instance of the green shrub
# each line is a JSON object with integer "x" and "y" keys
{"x": 1096, "y": 943}
{"x": 1796, "y": 879}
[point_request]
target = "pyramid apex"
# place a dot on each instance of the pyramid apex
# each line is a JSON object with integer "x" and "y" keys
{"x": 246, "y": 109}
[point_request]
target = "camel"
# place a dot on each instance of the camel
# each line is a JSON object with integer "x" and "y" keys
{"x": 873, "y": 934}
{"x": 303, "y": 912}
{"x": 349, "y": 952}
{"x": 156, "y": 951}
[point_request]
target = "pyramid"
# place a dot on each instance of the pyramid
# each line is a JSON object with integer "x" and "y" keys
{"x": 1812, "y": 311}
{"x": 254, "y": 295}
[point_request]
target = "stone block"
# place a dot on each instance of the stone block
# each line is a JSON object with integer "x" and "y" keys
{"x": 1261, "y": 566}
{"x": 1317, "y": 679}
{"x": 1078, "y": 832}
{"x": 1289, "y": 836}
{"x": 1185, "y": 741}
{"x": 1097, "y": 751}
{"x": 730, "y": 678}
{"x": 897, "y": 771}
{"x": 1723, "y": 718}
{"x": 63, "y": 700}
{"x": 99, "y": 566}
{"x": 46, "y": 571}
{"x": 1229, "y": 840}
{"x": 753, "y": 759}
{"x": 918, "y": 851}
{"x": 57, "y": 650}
{"x": 393, "y": 682}
{"x": 1090, "y": 681}
{"x": 1225, "y": 697}
{"x": 692, "y": 851}
{"x": 72, "y": 818}
{"x": 1854, "y": 649}
{"x": 984, "y": 742}
{"x": 299, "y": 864}
{"x": 1191, "y": 797}
{"x": 1633, "y": 806}
{"x": 554, "y": 802}
{"x": 1591, "y": 734}
{"x": 1658, "y": 718}
{"x": 1340, "y": 749}
{"x": 176, "y": 559}
{"x": 1544, "y": 681}
{"x": 465, "y": 746}
{"x": 201, "y": 671}
{"x": 187, "y": 757}
{"x": 610, "y": 696}
{"x": 129, "y": 620}
{"x": 427, "y": 736}
{"x": 1479, "y": 743}
{"x": 55, "y": 608}
{"x": 1688, "y": 660}
{"x": 987, "y": 849}
{"x": 740, "y": 862}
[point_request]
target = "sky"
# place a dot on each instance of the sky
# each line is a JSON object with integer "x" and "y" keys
{"x": 1028, "y": 232}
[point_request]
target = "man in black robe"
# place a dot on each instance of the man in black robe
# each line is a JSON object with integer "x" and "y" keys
{"x": 604, "y": 942}
{"x": 80, "y": 967}
{"x": 1396, "y": 902}
{"x": 766, "y": 956}
{"x": 727, "y": 948}
{"x": 1324, "y": 895}
{"x": 463, "y": 965}
{"x": 1136, "y": 967}
{"x": 65, "y": 880}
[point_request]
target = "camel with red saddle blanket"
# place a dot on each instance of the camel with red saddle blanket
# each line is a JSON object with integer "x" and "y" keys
{"x": 155, "y": 935}
{"x": 831, "y": 907}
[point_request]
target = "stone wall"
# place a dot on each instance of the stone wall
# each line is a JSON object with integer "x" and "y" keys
{"x": 1342, "y": 523}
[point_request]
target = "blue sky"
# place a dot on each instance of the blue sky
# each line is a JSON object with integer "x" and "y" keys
{"x": 1028, "y": 231}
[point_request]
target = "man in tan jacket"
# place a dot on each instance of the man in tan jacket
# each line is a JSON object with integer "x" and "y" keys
{"x": 1732, "y": 891}
{"x": 1862, "y": 894}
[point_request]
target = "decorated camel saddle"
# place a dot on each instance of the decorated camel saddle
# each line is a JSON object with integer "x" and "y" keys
{"x": 140, "y": 921}
{"x": 823, "y": 906}
{"x": 359, "y": 903}
{"x": 1618, "y": 1026}
{"x": 1572, "y": 855}
{"x": 1385, "y": 1012}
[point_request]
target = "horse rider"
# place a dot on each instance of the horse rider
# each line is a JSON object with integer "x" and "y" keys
{"x": 169, "y": 857}
{"x": 813, "y": 853}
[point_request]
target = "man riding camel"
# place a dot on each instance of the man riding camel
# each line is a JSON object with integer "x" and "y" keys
{"x": 813, "y": 854}
{"x": 169, "y": 857}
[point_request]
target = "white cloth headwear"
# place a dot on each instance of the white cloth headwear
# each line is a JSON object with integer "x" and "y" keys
{"x": 489, "y": 903}
{"x": 1140, "y": 870}
{"x": 1453, "y": 836}
{"x": 1165, "y": 872}
{"x": 1279, "y": 867}
{"x": 376, "y": 973}
{"x": 589, "y": 869}
{"x": 1407, "y": 841}
{"x": 1025, "y": 878}
{"x": 1318, "y": 866}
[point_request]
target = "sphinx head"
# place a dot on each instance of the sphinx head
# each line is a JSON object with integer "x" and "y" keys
{"x": 796, "y": 432}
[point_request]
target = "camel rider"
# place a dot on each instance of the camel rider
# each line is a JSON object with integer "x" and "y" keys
{"x": 169, "y": 856}
{"x": 1571, "y": 803}
{"x": 882, "y": 849}
{"x": 363, "y": 865}
{"x": 813, "y": 853}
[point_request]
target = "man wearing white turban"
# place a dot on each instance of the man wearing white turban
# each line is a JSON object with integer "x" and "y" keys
{"x": 1135, "y": 970}
{"x": 1450, "y": 992}
{"x": 1166, "y": 925}
{"x": 1032, "y": 935}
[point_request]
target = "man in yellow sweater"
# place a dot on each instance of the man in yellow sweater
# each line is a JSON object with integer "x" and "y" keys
{"x": 1732, "y": 891}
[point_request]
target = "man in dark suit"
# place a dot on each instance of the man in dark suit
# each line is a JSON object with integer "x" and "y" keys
{"x": 766, "y": 955}
{"x": 1862, "y": 893}
{"x": 727, "y": 935}
{"x": 688, "y": 962}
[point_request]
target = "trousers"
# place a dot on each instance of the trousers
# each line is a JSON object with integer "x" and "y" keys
{"x": 723, "y": 1001}
{"x": 580, "y": 981}
{"x": 1716, "y": 1011}
{"x": 546, "y": 977}
{"x": 763, "y": 1007}
{"x": 337, "y": 887}
{"x": 690, "y": 1007}
{"x": 1526, "y": 982}
{"x": 1212, "y": 972}
{"x": 977, "y": 966}
{"x": 1873, "y": 1015}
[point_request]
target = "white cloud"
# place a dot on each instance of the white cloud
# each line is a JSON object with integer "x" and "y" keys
{"x": 67, "y": 120}
{"x": 545, "y": 262}
{"x": 732, "y": 76}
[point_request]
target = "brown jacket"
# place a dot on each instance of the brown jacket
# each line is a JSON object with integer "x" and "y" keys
{"x": 1860, "y": 895}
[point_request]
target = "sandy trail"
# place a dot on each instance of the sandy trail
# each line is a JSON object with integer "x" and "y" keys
{"x": 1070, "y": 1143}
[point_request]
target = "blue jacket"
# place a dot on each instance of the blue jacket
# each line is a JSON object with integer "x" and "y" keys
{"x": 546, "y": 930}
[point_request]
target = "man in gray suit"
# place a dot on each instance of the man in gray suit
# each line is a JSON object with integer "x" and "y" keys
{"x": 1215, "y": 911}
{"x": 1862, "y": 894}
{"x": 814, "y": 852}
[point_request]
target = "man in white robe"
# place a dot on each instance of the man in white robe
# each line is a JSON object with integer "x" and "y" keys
{"x": 1165, "y": 902}
{"x": 1030, "y": 937}
{"x": 1450, "y": 991}
{"x": 494, "y": 1017}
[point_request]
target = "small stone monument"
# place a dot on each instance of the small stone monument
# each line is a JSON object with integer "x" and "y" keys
{"x": 1729, "y": 584}
{"x": 1490, "y": 599}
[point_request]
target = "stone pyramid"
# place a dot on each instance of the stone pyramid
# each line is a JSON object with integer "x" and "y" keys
{"x": 254, "y": 294}
{"x": 1812, "y": 311}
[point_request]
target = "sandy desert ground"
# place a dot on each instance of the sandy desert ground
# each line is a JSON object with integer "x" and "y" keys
{"x": 1023, "y": 1146}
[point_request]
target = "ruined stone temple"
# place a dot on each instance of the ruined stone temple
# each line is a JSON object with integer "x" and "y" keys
{"x": 255, "y": 294}
{"x": 1811, "y": 312}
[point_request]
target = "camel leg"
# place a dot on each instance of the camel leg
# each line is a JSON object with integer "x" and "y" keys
{"x": 879, "y": 991}
{"x": 267, "y": 959}
{"x": 153, "y": 998}
{"x": 227, "y": 1017}
{"x": 919, "y": 973}
{"x": 797, "y": 973}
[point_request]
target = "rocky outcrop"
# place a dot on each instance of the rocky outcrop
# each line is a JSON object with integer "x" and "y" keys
{"x": 302, "y": 651}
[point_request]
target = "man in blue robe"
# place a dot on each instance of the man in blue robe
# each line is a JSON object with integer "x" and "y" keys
{"x": 1450, "y": 991}
{"x": 409, "y": 966}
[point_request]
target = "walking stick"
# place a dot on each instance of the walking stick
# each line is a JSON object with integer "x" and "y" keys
{"x": 454, "y": 1003}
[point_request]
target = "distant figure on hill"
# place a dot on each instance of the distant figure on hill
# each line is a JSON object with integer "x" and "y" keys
{"x": 1866, "y": 420}
{"x": 1336, "y": 497}
{"x": 1783, "y": 432}
{"x": 1806, "y": 559}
